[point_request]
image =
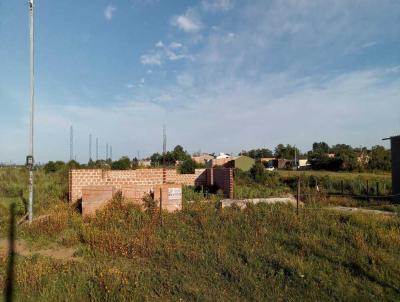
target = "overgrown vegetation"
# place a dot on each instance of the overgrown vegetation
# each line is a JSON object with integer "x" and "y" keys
{"x": 201, "y": 253}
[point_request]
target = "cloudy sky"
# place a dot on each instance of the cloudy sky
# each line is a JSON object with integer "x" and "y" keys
{"x": 223, "y": 75}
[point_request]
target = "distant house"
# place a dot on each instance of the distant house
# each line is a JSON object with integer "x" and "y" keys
{"x": 219, "y": 162}
{"x": 243, "y": 163}
{"x": 144, "y": 163}
{"x": 301, "y": 163}
{"x": 363, "y": 159}
{"x": 222, "y": 156}
{"x": 331, "y": 155}
{"x": 202, "y": 159}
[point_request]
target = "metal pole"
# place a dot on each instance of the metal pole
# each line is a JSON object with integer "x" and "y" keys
{"x": 90, "y": 147}
{"x": 71, "y": 143}
{"x": 31, "y": 105}
{"x": 164, "y": 153}
{"x": 97, "y": 148}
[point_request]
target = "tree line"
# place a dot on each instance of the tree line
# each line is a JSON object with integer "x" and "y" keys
{"x": 339, "y": 157}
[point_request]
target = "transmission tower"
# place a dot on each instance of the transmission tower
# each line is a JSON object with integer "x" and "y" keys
{"x": 71, "y": 143}
{"x": 97, "y": 148}
{"x": 90, "y": 147}
{"x": 164, "y": 153}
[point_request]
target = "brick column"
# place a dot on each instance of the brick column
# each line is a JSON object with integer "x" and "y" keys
{"x": 210, "y": 176}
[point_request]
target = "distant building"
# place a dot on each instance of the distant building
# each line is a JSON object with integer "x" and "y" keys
{"x": 219, "y": 162}
{"x": 243, "y": 163}
{"x": 144, "y": 163}
{"x": 331, "y": 155}
{"x": 395, "y": 150}
{"x": 222, "y": 156}
{"x": 363, "y": 159}
{"x": 202, "y": 159}
{"x": 301, "y": 163}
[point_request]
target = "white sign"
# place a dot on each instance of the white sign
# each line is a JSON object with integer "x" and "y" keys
{"x": 174, "y": 193}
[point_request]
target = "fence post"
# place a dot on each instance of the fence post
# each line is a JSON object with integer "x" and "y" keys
{"x": 342, "y": 186}
{"x": 377, "y": 189}
{"x": 298, "y": 196}
{"x": 368, "y": 189}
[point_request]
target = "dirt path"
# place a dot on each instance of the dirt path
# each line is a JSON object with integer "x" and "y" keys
{"x": 54, "y": 252}
{"x": 361, "y": 210}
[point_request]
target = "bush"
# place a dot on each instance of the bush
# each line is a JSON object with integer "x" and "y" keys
{"x": 124, "y": 163}
{"x": 188, "y": 166}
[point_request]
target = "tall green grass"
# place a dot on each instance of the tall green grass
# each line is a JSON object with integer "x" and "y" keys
{"x": 204, "y": 253}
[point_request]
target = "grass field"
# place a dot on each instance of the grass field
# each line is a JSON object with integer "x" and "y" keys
{"x": 201, "y": 253}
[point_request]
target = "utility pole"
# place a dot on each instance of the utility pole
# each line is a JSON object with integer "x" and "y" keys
{"x": 106, "y": 151}
{"x": 29, "y": 158}
{"x": 97, "y": 148}
{"x": 71, "y": 143}
{"x": 164, "y": 153}
{"x": 90, "y": 147}
{"x": 111, "y": 152}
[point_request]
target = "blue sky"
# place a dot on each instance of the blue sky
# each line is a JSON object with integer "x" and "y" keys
{"x": 224, "y": 75}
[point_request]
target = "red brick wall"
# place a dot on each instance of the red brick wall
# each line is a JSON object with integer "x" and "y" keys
{"x": 145, "y": 180}
{"x": 123, "y": 178}
{"x": 223, "y": 178}
{"x": 94, "y": 198}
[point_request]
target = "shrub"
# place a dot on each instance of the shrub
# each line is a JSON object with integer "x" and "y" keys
{"x": 188, "y": 166}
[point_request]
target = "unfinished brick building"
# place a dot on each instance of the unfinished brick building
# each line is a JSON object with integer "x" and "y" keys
{"x": 95, "y": 186}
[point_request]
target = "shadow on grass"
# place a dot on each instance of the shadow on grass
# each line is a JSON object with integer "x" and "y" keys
{"x": 9, "y": 286}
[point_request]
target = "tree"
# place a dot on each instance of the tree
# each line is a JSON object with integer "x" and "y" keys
{"x": 135, "y": 163}
{"x": 258, "y": 173}
{"x": 188, "y": 166}
{"x": 257, "y": 153}
{"x": 156, "y": 159}
{"x": 73, "y": 164}
{"x": 180, "y": 154}
{"x": 380, "y": 158}
{"x": 50, "y": 167}
{"x": 91, "y": 163}
{"x": 320, "y": 148}
{"x": 124, "y": 163}
{"x": 286, "y": 152}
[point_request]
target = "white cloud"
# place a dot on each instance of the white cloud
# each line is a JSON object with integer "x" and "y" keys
{"x": 175, "y": 45}
{"x": 189, "y": 22}
{"x": 109, "y": 12}
{"x": 173, "y": 52}
{"x": 185, "y": 79}
{"x": 151, "y": 59}
{"x": 159, "y": 44}
{"x": 216, "y": 5}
